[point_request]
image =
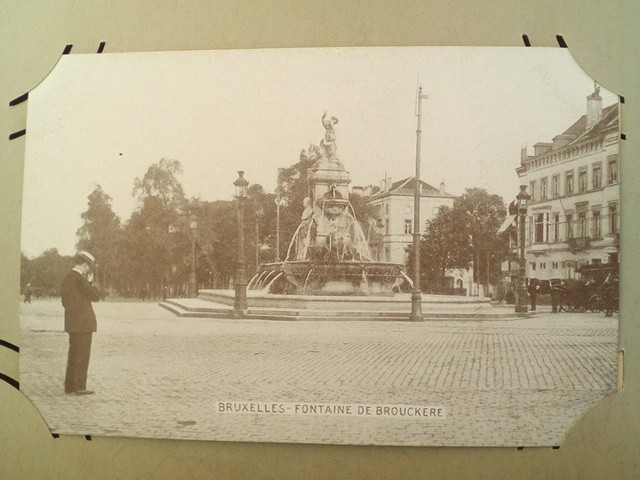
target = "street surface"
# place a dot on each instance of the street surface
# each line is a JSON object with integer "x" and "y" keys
{"x": 503, "y": 382}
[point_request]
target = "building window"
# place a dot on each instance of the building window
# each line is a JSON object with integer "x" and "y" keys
{"x": 408, "y": 224}
{"x": 386, "y": 226}
{"x": 597, "y": 227}
{"x": 532, "y": 190}
{"x": 543, "y": 188}
{"x": 569, "y": 233}
{"x": 568, "y": 183}
{"x": 613, "y": 219}
{"x": 556, "y": 228}
{"x": 386, "y": 208}
{"x": 612, "y": 163}
{"x": 597, "y": 176}
{"x": 555, "y": 185}
{"x": 541, "y": 228}
{"x": 582, "y": 224}
{"x": 554, "y": 265}
{"x": 387, "y": 253}
{"x": 582, "y": 179}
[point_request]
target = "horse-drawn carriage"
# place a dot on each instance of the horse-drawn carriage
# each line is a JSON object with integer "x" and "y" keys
{"x": 597, "y": 291}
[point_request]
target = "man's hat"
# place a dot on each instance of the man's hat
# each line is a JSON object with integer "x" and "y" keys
{"x": 87, "y": 256}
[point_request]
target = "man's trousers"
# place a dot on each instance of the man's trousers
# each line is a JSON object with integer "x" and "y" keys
{"x": 77, "y": 361}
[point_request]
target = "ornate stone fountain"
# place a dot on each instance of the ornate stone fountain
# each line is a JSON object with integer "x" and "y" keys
{"x": 329, "y": 253}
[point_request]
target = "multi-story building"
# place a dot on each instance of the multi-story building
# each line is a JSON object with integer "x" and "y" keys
{"x": 392, "y": 233}
{"x": 573, "y": 215}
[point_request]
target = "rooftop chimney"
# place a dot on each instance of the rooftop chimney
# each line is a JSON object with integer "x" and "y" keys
{"x": 594, "y": 107}
{"x": 442, "y": 192}
{"x": 542, "y": 147}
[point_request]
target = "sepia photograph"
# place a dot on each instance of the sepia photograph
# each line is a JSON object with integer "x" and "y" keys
{"x": 413, "y": 246}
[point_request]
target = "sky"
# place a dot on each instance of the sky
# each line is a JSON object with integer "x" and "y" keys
{"x": 103, "y": 119}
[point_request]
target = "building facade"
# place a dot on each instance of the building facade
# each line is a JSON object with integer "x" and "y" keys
{"x": 391, "y": 233}
{"x": 573, "y": 217}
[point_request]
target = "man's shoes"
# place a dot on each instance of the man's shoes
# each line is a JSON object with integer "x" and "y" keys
{"x": 84, "y": 392}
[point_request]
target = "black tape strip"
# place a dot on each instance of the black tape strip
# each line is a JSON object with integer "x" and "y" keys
{"x": 525, "y": 39}
{"x": 14, "y": 383}
{"x": 621, "y": 99}
{"x": 22, "y": 98}
{"x": 623, "y": 136}
{"x": 15, "y": 135}
{"x": 87, "y": 438}
{"x": 557, "y": 447}
{"x": 561, "y": 41}
{"x": 55, "y": 435}
{"x": 9, "y": 345}
{"x": 520, "y": 449}
{"x": 101, "y": 47}
{"x": 67, "y": 49}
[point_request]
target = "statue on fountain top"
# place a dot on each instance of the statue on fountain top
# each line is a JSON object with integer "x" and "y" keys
{"x": 327, "y": 153}
{"x": 329, "y": 141}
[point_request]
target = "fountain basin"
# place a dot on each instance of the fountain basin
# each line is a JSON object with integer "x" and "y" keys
{"x": 329, "y": 278}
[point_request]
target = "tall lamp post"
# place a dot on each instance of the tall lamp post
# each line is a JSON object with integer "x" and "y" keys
{"x": 193, "y": 284}
{"x": 240, "y": 284}
{"x": 521, "y": 290}
{"x": 416, "y": 296}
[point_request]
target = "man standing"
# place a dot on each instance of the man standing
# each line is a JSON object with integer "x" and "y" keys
{"x": 78, "y": 291}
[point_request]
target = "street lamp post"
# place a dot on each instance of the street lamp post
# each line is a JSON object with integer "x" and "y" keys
{"x": 193, "y": 286}
{"x": 240, "y": 284}
{"x": 416, "y": 296}
{"x": 521, "y": 289}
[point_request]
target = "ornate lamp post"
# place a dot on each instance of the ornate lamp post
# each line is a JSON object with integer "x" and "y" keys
{"x": 416, "y": 296}
{"x": 193, "y": 284}
{"x": 521, "y": 288}
{"x": 240, "y": 284}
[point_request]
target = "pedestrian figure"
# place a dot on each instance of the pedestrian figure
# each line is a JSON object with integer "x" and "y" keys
{"x": 78, "y": 292}
{"x": 610, "y": 294}
{"x": 500, "y": 292}
{"x": 28, "y": 292}
{"x": 534, "y": 286}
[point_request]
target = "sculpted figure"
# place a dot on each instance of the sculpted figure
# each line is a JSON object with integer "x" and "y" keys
{"x": 329, "y": 141}
{"x": 304, "y": 236}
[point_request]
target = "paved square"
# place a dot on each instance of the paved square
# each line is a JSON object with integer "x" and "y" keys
{"x": 501, "y": 383}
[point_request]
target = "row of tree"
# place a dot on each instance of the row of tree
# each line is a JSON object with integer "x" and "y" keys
{"x": 151, "y": 253}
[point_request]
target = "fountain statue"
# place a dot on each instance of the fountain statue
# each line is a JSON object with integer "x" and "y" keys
{"x": 329, "y": 253}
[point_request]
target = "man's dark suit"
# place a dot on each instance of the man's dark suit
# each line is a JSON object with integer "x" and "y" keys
{"x": 80, "y": 323}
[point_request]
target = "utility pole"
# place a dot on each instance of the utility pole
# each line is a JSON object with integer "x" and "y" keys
{"x": 416, "y": 296}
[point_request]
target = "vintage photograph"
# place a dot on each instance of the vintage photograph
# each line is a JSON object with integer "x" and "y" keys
{"x": 367, "y": 246}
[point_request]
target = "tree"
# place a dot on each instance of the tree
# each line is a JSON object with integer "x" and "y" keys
{"x": 45, "y": 273}
{"x": 100, "y": 233}
{"x": 293, "y": 187}
{"x": 160, "y": 181}
{"x": 150, "y": 246}
{"x": 464, "y": 236}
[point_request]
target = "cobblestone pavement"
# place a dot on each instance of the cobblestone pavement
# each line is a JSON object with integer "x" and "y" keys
{"x": 519, "y": 382}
